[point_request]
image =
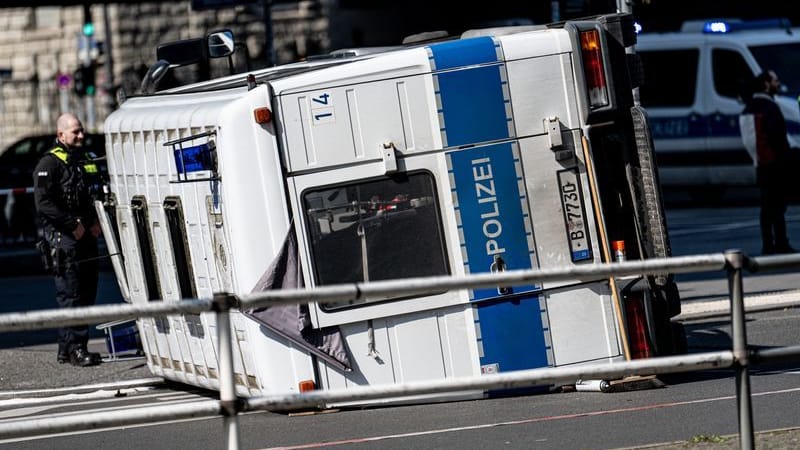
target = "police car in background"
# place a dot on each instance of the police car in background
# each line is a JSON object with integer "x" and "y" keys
{"x": 694, "y": 80}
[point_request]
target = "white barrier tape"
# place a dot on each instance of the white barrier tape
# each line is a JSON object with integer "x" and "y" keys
{"x": 16, "y": 191}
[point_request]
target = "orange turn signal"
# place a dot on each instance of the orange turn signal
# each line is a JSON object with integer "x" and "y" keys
{"x": 262, "y": 115}
{"x": 306, "y": 386}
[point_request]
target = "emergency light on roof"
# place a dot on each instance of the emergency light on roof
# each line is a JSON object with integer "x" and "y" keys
{"x": 733, "y": 25}
{"x": 195, "y": 158}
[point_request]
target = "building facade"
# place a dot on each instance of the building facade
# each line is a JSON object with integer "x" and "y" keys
{"x": 40, "y": 52}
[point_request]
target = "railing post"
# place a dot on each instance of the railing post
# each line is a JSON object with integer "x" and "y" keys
{"x": 735, "y": 261}
{"x": 229, "y": 403}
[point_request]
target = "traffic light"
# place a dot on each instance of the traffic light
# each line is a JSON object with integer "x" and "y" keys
{"x": 88, "y": 29}
{"x": 83, "y": 81}
{"x": 88, "y": 80}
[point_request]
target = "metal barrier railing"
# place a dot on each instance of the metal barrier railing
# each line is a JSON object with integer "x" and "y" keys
{"x": 229, "y": 405}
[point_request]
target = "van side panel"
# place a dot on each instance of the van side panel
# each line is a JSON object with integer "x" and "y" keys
{"x": 326, "y": 121}
{"x": 254, "y": 201}
{"x": 503, "y": 176}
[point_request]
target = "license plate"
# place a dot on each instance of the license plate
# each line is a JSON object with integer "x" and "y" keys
{"x": 574, "y": 215}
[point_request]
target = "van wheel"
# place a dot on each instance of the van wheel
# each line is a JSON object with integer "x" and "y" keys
{"x": 707, "y": 194}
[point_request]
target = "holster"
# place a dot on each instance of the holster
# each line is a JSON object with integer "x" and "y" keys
{"x": 46, "y": 253}
{"x": 59, "y": 261}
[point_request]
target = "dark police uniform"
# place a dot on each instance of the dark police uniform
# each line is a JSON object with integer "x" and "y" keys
{"x": 66, "y": 183}
{"x": 773, "y": 173}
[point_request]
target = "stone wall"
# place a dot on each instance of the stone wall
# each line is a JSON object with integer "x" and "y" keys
{"x": 38, "y": 44}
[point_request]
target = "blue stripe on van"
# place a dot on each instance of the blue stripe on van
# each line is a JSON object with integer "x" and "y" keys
{"x": 464, "y": 52}
{"x": 486, "y": 190}
{"x": 492, "y": 220}
{"x": 512, "y": 333}
{"x": 471, "y": 99}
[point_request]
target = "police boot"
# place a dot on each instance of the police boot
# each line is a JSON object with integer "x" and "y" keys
{"x": 81, "y": 357}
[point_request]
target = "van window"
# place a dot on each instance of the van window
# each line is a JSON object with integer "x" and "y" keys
{"x": 670, "y": 77}
{"x": 379, "y": 229}
{"x": 783, "y": 60}
{"x": 731, "y": 73}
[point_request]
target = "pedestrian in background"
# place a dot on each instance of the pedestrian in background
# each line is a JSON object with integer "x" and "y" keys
{"x": 766, "y": 137}
{"x": 66, "y": 181}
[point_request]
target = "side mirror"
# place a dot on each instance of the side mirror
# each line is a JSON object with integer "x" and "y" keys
{"x": 220, "y": 44}
{"x": 217, "y": 44}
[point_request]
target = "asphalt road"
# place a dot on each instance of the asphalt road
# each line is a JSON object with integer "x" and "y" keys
{"x": 693, "y": 410}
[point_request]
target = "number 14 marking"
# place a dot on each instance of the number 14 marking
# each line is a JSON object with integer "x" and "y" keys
{"x": 321, "y": 99}
{"x": 322, "y": 108}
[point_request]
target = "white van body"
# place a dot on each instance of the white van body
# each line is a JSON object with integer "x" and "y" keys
{"x": 692, "y": 92}
{"x": 464, "y": 156}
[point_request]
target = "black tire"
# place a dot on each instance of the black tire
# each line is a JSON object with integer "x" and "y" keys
{"x": 680, "y": 343}
{"x": 662, "y": 328}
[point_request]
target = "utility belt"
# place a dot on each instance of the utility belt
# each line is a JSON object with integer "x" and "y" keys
{"x": 58, "y": 257}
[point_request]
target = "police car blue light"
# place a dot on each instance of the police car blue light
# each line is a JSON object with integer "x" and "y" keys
{"x": 729, "y": 26}
{"x": 715, "y": 27}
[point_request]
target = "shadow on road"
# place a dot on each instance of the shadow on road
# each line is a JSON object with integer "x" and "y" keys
{"x": 712, "y": 336}
{"x": 36, "y": 293}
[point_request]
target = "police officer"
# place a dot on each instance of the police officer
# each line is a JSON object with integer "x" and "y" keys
{"x": 773, "y": 160}
{"x": 65, "y": 182}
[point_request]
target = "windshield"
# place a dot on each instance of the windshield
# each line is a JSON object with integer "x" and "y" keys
{"x": 783, "y": 60}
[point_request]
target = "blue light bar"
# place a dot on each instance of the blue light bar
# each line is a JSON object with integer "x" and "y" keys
{"x": 715, "y": 27}
{"x": 193, "y": 159}
{"x": 724, "y": 26}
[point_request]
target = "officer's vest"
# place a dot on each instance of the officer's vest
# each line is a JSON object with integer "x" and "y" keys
{"x": 88, "y": 166}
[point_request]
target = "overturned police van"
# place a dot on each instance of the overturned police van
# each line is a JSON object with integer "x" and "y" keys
{"x": 495, "y": 150}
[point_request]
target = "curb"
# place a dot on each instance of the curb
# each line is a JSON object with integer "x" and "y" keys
{"x": 37, "y": 393}
{"x": 755, "y": 303}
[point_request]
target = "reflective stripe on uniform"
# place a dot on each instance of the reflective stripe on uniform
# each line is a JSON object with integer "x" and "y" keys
{"x": 60, "y": 153}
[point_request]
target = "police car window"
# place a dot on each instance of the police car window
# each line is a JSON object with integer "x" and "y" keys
{"x": 783, "y": 60}
{"x": 378, "y": 229}
{"x": 731, "y": 72}
{"x": 25, "y": 147}
{"x": 670, "y": 77}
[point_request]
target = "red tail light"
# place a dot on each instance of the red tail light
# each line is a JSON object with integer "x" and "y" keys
{"x": 593, "y": 68}
{"x": 637, "y": 328}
